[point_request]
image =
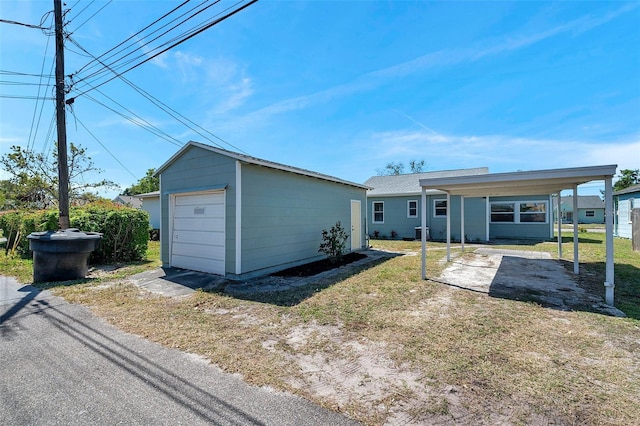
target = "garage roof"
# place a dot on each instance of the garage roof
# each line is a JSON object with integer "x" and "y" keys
{"x": 257, "y": 161}
{"x": 532, "y": 182}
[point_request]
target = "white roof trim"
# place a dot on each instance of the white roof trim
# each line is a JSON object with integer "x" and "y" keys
{"x": 533, "y": 182}
{"x": 257, "y": 161}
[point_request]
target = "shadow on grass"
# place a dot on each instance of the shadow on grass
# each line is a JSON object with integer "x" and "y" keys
{"x": 627, "y": 284}
{"x": 552, "y": 284}
{"x": 295, "y": 291}
{"x": 108, "y": 270}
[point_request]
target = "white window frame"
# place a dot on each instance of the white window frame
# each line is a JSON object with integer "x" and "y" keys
{"x": 631, "y": 206}
{"x": 373, "y": 210}
{"x": 513, "y": 212}
{"x": 589, "y": 213}
{"x": 517, "y": 213}
{"x": 435, "y": 208}
{"x": 409, "y": 208}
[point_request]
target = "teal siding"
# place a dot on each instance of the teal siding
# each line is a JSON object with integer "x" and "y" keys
{"x": 395, "y": 219}
{"x": 199, "y": 170}
{"x": 283, "y": 215}
{"x": 598, "y": 216}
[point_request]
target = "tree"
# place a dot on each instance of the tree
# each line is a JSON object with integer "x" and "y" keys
{"x": 627, "y": 178}
{"x": 148, "y": 183}
{"x": 33, "y": 180}
{"x": 394, "y": 169}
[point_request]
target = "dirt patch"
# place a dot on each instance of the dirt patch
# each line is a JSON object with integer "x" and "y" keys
{"x": 314, "y": 268}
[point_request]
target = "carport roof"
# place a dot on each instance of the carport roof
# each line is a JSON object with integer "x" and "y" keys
{"x": 533, "y": 182}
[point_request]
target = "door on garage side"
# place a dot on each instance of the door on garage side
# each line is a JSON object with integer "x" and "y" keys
{"x": 356, "y": 225}
{"x": 198, "y": 238}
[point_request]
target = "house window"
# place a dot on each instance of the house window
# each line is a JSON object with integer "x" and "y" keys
{"x": 503, "y": 212}
{"x": 378, "y": 212}
{"x": 533, "y": 212}
{"x": 439, "y": 208}
{"x": 519, "y": 212}
{"x": 590, "y": 213}
{"x": 412, "y": 208}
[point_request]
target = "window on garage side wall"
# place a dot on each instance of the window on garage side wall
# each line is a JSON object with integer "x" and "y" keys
{"x": 378, "y": 212}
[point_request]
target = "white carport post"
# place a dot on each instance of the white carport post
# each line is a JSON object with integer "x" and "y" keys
{"x": 448, "y": 226}
{"x": 423, "y": 233}
{"x": 488, "y": 221}
{"x": 608, "y": 220}
{"x": 559, "y": 213}
{"x": 576, "y": 262}
{"x": 462, "y": 222}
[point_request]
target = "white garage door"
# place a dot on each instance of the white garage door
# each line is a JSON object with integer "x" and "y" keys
{"x": 198, "y": 232}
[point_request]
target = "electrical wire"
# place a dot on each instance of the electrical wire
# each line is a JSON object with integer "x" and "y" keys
{"x": 89, "y": 18}
{"x": 131, "y": 37}
{"x": 30, "y": 141}
{"x": 115, "y": 63}
{"x": 164, "y": 107}
{"x": 103, "y": 145}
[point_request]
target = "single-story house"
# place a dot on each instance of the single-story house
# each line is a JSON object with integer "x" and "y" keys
{"x": 624, "y": 201}
{"x": 151, "y": 204}
{"x": 395, "y": 210}
{"x": 132, "y": 201}
{"x": 590, "y": 209}
{"x": 238, "y": 216}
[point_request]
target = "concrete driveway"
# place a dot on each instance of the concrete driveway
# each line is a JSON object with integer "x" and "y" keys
{"x": 59, "y": 364}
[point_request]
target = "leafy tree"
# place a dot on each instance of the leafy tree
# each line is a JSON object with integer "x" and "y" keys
{"x": 627, "y": 178}
{"x": 394, "y": 169}
{"x": 416, "y": 166}
{"x": 33, "y": 181}
{"x": 148, "y": 183}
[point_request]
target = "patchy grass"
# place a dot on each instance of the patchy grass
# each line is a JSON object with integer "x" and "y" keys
{"x": 383, "y": 346}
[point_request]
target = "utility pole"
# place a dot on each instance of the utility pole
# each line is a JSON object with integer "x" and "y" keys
{"x": 63, "y": 168}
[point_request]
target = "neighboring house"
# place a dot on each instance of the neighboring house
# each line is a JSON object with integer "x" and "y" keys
{"x": 238, "y": 216}
{"x": 151, "y": 204}
{"x": 590, "y": 209}
{"x": 129, "y": 201}
{"x": 624, "y": 201}
{"x": 394, "y": 205}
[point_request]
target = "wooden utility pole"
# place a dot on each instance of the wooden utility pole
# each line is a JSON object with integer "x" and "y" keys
{"x": 63, "y": 168}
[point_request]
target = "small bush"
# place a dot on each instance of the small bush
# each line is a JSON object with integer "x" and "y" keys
{"x": 333, "y": 242}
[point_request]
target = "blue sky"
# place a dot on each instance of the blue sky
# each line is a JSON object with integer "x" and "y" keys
{"x": 343, "y": 88}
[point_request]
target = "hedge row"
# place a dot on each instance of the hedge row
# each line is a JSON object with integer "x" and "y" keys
{"x": 125, "y": 231}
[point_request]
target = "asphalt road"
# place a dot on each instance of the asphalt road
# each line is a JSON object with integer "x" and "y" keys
{"x": 59, "y": 364}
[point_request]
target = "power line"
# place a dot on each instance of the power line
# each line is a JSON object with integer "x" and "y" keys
{"x": 114, "y": 64}
{"x": 91, "y": 17}
{"x": 131, "y": 37}
{"x": 7, "y": 21}
{"x": 35, "y": 109}
{"x": 103, "y": 145}
{"x": 164, "y": 107}
{"x": 193, "y": 34}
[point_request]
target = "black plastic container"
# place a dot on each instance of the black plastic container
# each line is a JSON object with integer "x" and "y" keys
{"x": 61, "y": 255}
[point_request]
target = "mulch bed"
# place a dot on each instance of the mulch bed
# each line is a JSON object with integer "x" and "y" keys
{"x": 314, "y": 268}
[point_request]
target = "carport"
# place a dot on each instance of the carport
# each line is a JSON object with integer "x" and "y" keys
{"x": 536, "y": 182}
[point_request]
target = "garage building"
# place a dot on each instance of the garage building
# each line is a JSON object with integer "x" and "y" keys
{"x": 238, "y": 216}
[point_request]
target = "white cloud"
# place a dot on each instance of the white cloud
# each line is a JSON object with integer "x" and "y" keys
{"x": 237, "y": 94}
{"x": 501, "y": 152}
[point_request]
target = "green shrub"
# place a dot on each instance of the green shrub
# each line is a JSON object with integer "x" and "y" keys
{"x": 333, "y": 242}
{"x": 125, "y": 230}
